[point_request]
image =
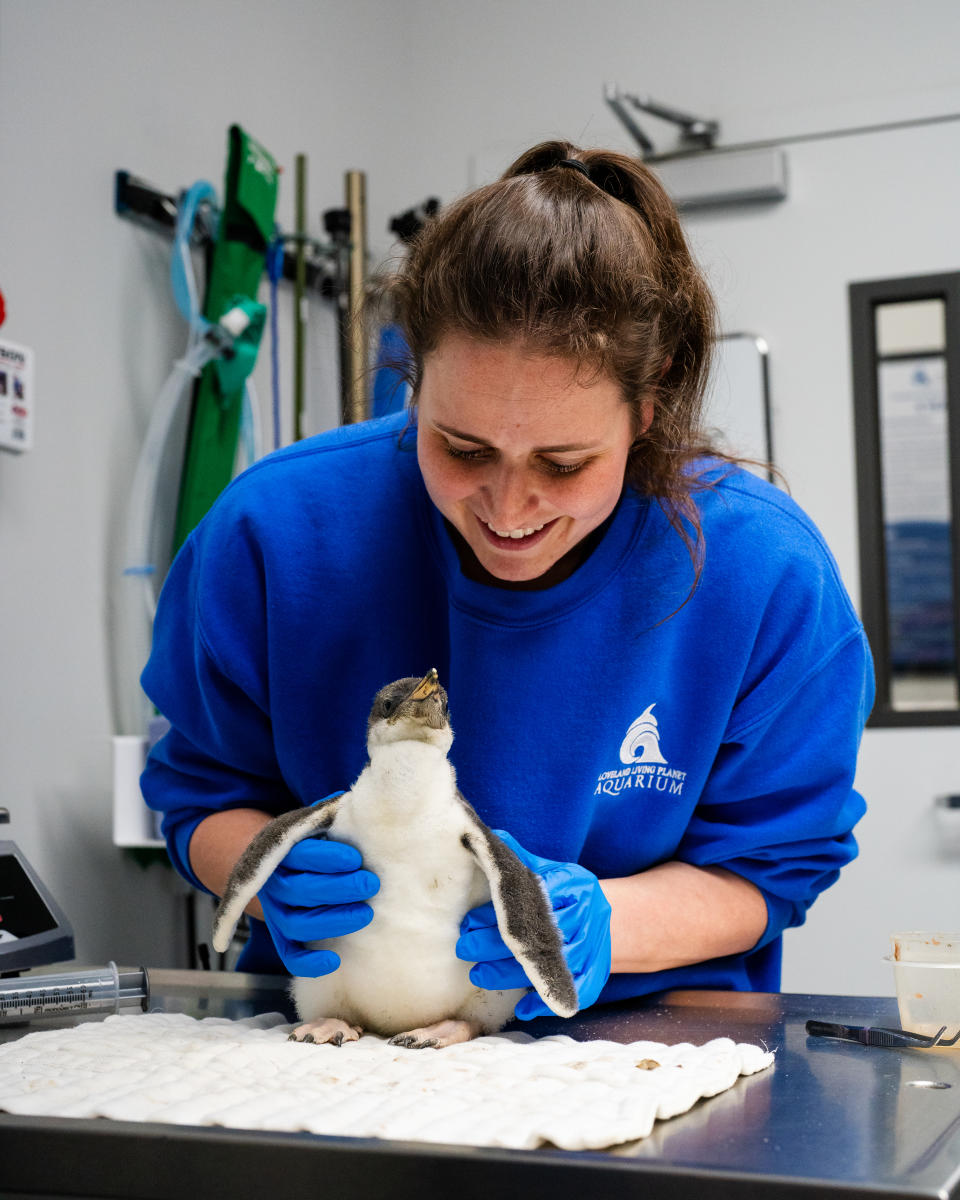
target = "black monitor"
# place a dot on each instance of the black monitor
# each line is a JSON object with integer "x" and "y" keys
{"x": 34, "y": 930}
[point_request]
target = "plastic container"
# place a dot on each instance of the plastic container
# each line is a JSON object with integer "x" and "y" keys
{"x": 926, "y": 972}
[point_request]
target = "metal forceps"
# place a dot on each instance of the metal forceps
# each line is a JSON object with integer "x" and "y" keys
{"x": 875, "y": 1035}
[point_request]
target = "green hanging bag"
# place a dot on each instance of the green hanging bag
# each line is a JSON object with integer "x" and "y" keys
{"x": 236, "y": 265}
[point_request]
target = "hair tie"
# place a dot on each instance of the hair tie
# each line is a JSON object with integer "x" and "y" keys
{"x": 608, "y": 181}
{"x": 577, "y": 166}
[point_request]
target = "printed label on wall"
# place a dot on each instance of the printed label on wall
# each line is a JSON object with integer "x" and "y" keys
{"x": 16, "y": 397}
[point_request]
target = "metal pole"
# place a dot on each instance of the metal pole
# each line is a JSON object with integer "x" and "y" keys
{"x": 299, "y": 296}
{"x": 355, "y": 358}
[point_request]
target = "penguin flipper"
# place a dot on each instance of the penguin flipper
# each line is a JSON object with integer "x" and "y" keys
{"x": 524, "y": 916}
{"x": 257, "y": 863}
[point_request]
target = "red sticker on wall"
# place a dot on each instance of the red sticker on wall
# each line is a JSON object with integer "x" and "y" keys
{"x": 3, "y": 310}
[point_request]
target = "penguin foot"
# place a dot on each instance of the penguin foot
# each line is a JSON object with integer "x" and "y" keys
{"x": 443, "y": 1033}
{"x": 327, "y": 1031}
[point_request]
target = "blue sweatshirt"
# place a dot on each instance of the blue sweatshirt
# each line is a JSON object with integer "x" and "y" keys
{"x": 615, "y": 719}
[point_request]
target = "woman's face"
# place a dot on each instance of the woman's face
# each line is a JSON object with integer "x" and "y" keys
{"x": 518, "y": 454}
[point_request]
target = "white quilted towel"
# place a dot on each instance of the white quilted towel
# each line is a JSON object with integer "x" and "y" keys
{"x": 507, "y": 1090}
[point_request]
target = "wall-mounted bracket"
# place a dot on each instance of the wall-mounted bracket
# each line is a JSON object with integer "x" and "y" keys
{"x": 696, "y": 172}
{"x": 696, "y": 133}
{"x": 408, "y": 224}
{"x": 148, "y": 206}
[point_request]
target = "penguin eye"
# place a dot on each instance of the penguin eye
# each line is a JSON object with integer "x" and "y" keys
{"x": 388, "y": 707}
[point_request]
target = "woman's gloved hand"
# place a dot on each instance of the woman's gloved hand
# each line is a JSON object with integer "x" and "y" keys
{"x": 582, "y": 913}
{"x": 318, "y": 891}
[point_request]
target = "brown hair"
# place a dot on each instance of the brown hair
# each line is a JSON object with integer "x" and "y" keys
{"x": 595, "y": 268}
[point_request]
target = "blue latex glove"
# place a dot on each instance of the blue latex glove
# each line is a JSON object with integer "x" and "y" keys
{"x": 318, "y": 891}
{"x": 582, "y": 914}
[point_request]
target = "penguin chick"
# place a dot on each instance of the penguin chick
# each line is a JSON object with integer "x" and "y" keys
{"x": 399, "y": 976}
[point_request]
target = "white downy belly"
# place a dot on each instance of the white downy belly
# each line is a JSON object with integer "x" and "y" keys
{"x": 401, "y": 971}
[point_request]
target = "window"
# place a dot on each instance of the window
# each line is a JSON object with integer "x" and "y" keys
{"x": 906, "y": 377}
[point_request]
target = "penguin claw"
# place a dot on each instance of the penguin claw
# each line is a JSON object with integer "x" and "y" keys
{"x": 328, "y": 1031}
{"x": 437, "y": 1036}
{"x": 411, "y": 1042}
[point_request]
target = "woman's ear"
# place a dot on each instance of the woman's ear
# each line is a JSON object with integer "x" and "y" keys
{"x": 645, "y": 419}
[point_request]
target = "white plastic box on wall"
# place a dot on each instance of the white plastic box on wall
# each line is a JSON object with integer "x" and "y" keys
{"x": 134, "y": 825}
{"x": 714, "y": 178}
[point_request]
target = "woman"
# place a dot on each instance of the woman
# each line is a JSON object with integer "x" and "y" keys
{"x": 657, "y": 682}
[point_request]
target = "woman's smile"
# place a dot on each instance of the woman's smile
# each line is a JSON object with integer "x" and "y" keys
{"x": 517, "y": 539}
{"x": 520, "y": 454}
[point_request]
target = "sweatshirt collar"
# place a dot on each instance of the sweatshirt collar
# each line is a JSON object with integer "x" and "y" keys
{"x": 510, "y": 607}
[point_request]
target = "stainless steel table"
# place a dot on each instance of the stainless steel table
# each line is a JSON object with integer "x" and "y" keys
{"x": 830, "y": 1116}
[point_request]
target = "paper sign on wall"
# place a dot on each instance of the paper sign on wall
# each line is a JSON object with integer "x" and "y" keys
{"x": 16, "y": 396}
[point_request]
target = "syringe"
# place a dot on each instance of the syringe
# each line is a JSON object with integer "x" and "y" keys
{"x": 103, "y": 990}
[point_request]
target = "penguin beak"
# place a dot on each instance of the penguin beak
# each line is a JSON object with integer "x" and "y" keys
{"x": 427, "y": 686}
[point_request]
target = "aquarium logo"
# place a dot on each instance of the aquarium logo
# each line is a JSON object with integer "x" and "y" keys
{"x": 642, "y": 741}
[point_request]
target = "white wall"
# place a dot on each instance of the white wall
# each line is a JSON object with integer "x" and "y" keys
{"x": 428, "y": 97}
{"x": 88, "y": 87}
{"x": 873, "y": 206}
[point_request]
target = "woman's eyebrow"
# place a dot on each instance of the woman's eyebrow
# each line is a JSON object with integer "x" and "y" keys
{"x": 464, "y": 437}
{"x": 470, "y": 437}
